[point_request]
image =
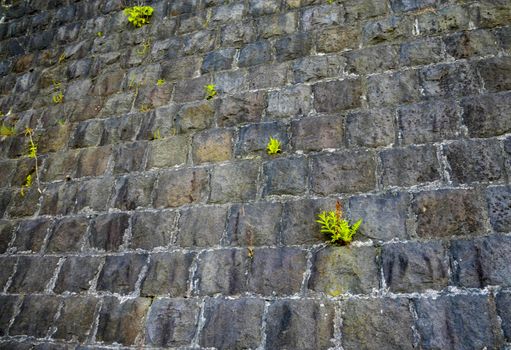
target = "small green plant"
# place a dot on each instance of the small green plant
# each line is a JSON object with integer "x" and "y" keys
{"x": 144, "y": 49}
{"x": 337, "y": 229}
{"x": 210, "y": 91}
{"x": 330, "y": 2}
{"x": 160, "y": 82}
{"x": 32, "y": 153}
{"x": 157, "y": 135}
{"x": 57, "y": 96}
{"x": 61, "y": 121}
{"x": 139, "y": 15}
{"x": 99, "y": 34}
{"x": 273, "y": 146}
{"x": 62, "y": 58}
{"x": 7, "y": 131}
{"x": 146, "y": 107}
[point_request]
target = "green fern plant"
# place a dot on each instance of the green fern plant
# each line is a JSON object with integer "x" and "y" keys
{"x": 337, "y": 229}
{"x": 139, "y": 15}
{"x": 32, "y": 153}
{"x": 273, "y": 146}
{"x": 210, "y": 91}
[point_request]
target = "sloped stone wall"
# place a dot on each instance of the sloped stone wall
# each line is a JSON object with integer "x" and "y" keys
{"x": 163, "y": 222}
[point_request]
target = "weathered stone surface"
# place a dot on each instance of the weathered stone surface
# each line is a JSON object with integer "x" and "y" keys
{"x": 243, "y": 318}
{"x": 254, "y": 54}
{"x": 315, "y": 134}
{"x": 384, "y": 217}
{"x": 481, "y": 262}
{"x": 6, "y": 231}
{"x": 167, "y": 274}
{"x": 384, "y": 30}
{"x": 410, "y": 5}
{"x": 33, "y": 274}
{"x": 107, "y": 232}
{"x": 213, "y": 145}
{"x": 345, "y": 172}
{"x": 338, "y": 38}
{"x": 167, "y": 152}
{"x": 393, "y": 88}
{"x": 218, "y": 60}
{"x": 421, "y": 52}
{"x": 175, "y": 188}
{"x": 300, "y": 324}
{"x": 8, "y": 263}
{"x": 499, "y": 202}
{"x": 76, "y": 318}
{"x": 7, "y": 305}
{"x": 456, "y": 322}
{"x": 293, "y": 46}
{"x": 234, "y": 182}
{"x": 475, "y": 161}
{"x": 445, "y": 213}
{"x": 485, "y": 115}
{"x": 254, "y": 138}
{"x": 129, "y": 157}
{"x": 336, "y": 96}
{"x": 172, "y": 322}
{"x": 411, "y": 267}
{"x": 449, "y": 80}
{"x": 77, "y": 273}
{"x": 339, "y": 270}
{"x": 285, "y": 176}
{"x": 371, "y": 128}
{"x": 121, "y": 272}
{"x": 495, "y": 73}
{"x": 381, "y": 323}
{"x": 67, "y": 235}
{"x": 201, "y": 226}
{"x": 36, "y": 316}
{"x": 409, "y": 166}
{"x": 122, "y": 322}
{"x": 30, "y": 234}
{"x": 241, "y": 108}
{"x": 133, "y": 191}
{"x": 503, "y": 302}
{"x": 318, "y": 16}
{"x": 290, "y": 102}
{"x": 277, "y": 25}
{"x": 371, "y": 60}
{"x": 152, "y": 229}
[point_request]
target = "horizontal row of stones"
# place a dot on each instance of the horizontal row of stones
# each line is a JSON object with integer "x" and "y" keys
{"x": 405, "y": 267}
{"x": 437, "y": 214}
{"x": 464, "y": 321}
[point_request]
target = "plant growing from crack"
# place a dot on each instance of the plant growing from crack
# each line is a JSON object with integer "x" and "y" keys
{"x": 58, "y": 96}
{"x": 210, "y": 90}
{"x": 337, "y": 229}
{"x": 32, "y": 153}
{"x": 139, "y": 15}
{"x": 273, "y": 146}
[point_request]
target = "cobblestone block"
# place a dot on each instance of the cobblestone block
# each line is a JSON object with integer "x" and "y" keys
{"x": 33, "y": 274}
{"x": 237, "y": 34}
{"x": 312, "y": 68}
{"x": 386, "y": 30}
{"x": 421, "y": 52}
{"x": 485, "y": 115}
{"x": 495, "y": 73}
{"x": 371, "y": 60}
{"x": 129, "y": 157}
{"x": 340, "y": 270}
{"x": 241, "y": 108}
{"x": 121, "y": 273}
{"x": 336, "y": 96}
{"x": 268, "y": 76}
{"x": 234, "y": 182}
{"x": 152, "y": 229}
{"x": 293, "y": 46}
{"x": 76, "y": 318}
{"x": 277, "y": 25}
{"x": 167, "y": 274}
{"x": 198, "y": 116}
{"x": 306, "y": 133}
{"x": 36, "y": 316}
{"x": 179, "y": 187}
{"x": 201, "y": 226}
{"x": 449, "y": 80}
{"x": 213, "y": 145}
{"x": 123, "y": 128}
{"x": 67, "y": 235}
{"x": 218, "y": 60}
{"x": 77, "y": 273}
{"x": 471, "y": 43}
{"x": 318, "y": 16}
{"x": 371, "y": 128}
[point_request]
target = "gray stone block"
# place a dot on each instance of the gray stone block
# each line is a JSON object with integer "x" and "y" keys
{"x": 77, "y": 273}
{"x": 254, "y": 53}
{"x": 133, "y": 191}
{"x": 254, "y": 138}
{"x": 485, "y": 115}
{"x": 221, "y": 272}
{"x": 76, "y": 318}
{"x": 290, "y": 102}
{"x": 67, "y": 235}
{"x": 234, "y": 182}
{"x": 30, "y": 234}
{"x": 183, "y": 186}
{"x": 36, "y": 316}
{"x": 241, "y": 108}
{"x": 371, "y": 128}
{"x": 152, "y": 229}
{"x": 201, "y": 226}
{"x": 33, "y": 274}
{"x": 121, "y": 272}
{"x": 393, "y": 88}
{"x": 107, "y": 231}
{"x": 285, "y": 176}
{"x": 315, "y": 134}
{"x": 7, "y": 307}
{"x": 336, "y": 96}
{"x": 499, "y": 202}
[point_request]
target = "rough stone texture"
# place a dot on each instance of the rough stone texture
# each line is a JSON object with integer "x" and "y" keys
{"x": 499, "y": 202}
{"x": 120, "y": 273}
{"x": 167, "y": 274}
{"x": 201, "y": 227}
{"x": 152, "y": 229}
{"x": 35, "y": 316}
{"x": 33, "y": 273}
{"x": 77, "y": 273}
{"x": 76, "y": 318}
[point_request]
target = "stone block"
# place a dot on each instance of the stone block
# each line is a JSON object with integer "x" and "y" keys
{"x": 162, "y": 120}
{"x": 411, "y": 267}
{"x": 201, "y": 226}
{"x": 386, "y": 30}
{"x": 237, "y": 34}
{"x": 33, "y": 273}
{"x": 8, "y": 263}
{"x": 371, "y": 128}
{"x": 191, "y": 90}
{"x": 380, "y": 323}
{"x": 467, "y": 44}
{"x": 30, "y": 234}
{"x": 451, "y": 80}
{"x": 371, "y": 60}
{"x": 254, "y": 138}
{"x": 198, "y": 42}
{"x": 76, "y": 318}
{"x": 107, "y": 231}
{"x": 300, "y": 324}
{"x": 124, "y": 128}
{"x": 336, "y": 96}
{"x": 213, "y": 145}
{"x": 180, "y": 68}
{"x": 221, "y": 271}
{"x": 340, "y": 270}
{"x": 409, "y": 166}
{"x": 293, "y": 46}
{"x": 21, "y": 206}
{"x": 445, "y": 213}
{"x": 481, "y": 262}
{"x": 503, "y": 303}
{"x": 198, "y": 116}
{"x": 167, "y": 152}
{"x": 93, "y": 194}
{"x": 268, "y": 76}
{"x": 345, "y": 172}
{"x": 290, "y": 102}
{"x": 234, "y": 182}
{"x": 167, "y": 274}
{"x": 241, "y": 108}
{"x": 179, "y": 187}
{"x": 36, "y": 316}
{"x": 77, "y": 274}
{"x": 122, "y": 323}
{"x": 121, "y": 273}
{"x": 218, "y": 60}
{"x": 313, "y": 68}
{"x": 277, "y": 25}
{"x": 6, "y": 231}
{"x": 421, "y": 52}
{"x": 172, "y": 322}
{"x": 456, "y": 322}
{"x": 243, "y": 318}
{"x": 411, "y": 5}
{"x": 129, "y": 157}
{"x": 255, "y": 53}
{"x": 262, "y": 7}
{"x": 285, "y": 176}
{"x": 228, "y": 13}
{"x": 358, "y": 10}
{"x": 337, "y": 38}
{"x": 393, "y": 88}
{"x": 7, "y": 307}
{"x": 486, "y": 115}
{"x": 430, "y": 121}
{"x": 322, "y": 16}
{"x": 495, "y": 73}
{"x": 315, "y": 134}
{"x": 499, "y": 202}
{"x": 254, "y": 224}
{"x": 152, "y": 229}
{"x": 67, "y": 235}
{"x": 384, "y": 217}
{"x": 133, "y": 191}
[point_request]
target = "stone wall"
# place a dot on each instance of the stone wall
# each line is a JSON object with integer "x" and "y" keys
{"x": 163, "y": 222}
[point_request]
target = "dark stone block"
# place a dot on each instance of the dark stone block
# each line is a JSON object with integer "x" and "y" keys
{"x": 380, "y": 323}
{"x": 487, "y": 115}
{"x": 371, "y": 128}
{"x": 371, "y": 60}
{"x": 6, "y": 231}
{"x": 475, "y": 161}
{"x": 306, "y": 133}
{"x": 268, "y": 76}
{"x": 255, "y": 53}
{"x": 172, "y": 322}
{"x": 133, "y": 191}
{"x": 7, "y": 268}
{"x": 152, "y": 229}
{"x": 410, "y": 5}
{"x": 243, "y": 319}
{"x": 129, "y": 157}
{"x": 201, "y": 226}
{"x": 289, "y": 102}
{"x": 277, "y": 25}
{"x": 285, "y": 176}
{"x": 421, "y": 52}
{"x": 36, "y": 316}
{"x": 336, "y": 96}
{"x": 386, "y": 30}
{"x": 76, "y": 318}
{"x": 345, "y": 172}
{"x": 499, "y": 204}
{"x": 33, "y": 274}
{"x": 495, "y": 73}
{"x": 77, "y": 273}
{"x": 214, "y": 145}
{"x": 240, "y": 109}
{"x": 107, "y": 231}
{"x": 221, "y": 271}
{"x": 467, "y": 44}
{"x": 254, "y": 138}
{"x": 411, "y": 267}
{"x": 456, "y": 322}
{"x": 167, "y": 274}
{"x": 393, "y": 88}
{"x": 234, "y": 182}
{"x": 7, "y": 307}
{"x": 300, "y": 324}
{"x": 321, "y": 16}
{"x": 167, "y": 153}
{"x": 175, "y": 188}
{"x": 30, "y": 234}
{"x": 503, "y": 302}
{"x": 67, "y": 235}
{"x": 409, "y": 166}
{"x": 340, "y": 270}
{"x": 338, "y": 38}
{"x": 384, "y": 217}
{"x": 120, "y": 273}
{"x": 458, "y": 79}
{"x": 444, "y": 213}
{"x": 293, "y": 46}
{"x": 122, "y": 322}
